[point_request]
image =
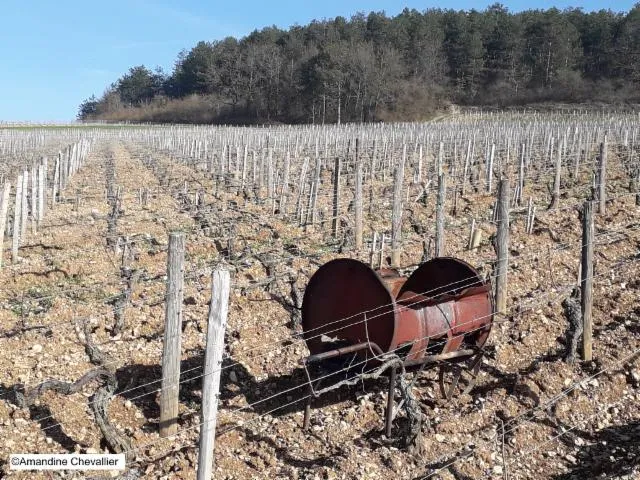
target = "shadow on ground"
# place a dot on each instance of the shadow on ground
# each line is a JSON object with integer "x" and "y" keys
{"x": 613, "y": 452}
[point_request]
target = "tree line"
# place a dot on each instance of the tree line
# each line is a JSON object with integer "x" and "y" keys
{"x": 375, "y": 67}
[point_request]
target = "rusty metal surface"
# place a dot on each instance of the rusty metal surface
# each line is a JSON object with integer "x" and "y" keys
{"x": 342, "y": 351}
{"x": 450, "y": 297}
{"x": 442, "y": 313}
{"x": 392, "y": 279}
{"x": 339, "y": 296}
{"x": 442, "y": 307}
{"x": 443, "y": 275}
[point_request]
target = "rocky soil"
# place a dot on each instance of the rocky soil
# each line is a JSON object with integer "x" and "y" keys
{"x": 531, "y": 415}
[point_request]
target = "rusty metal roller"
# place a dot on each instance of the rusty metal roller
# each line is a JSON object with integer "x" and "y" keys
{"x": 444, "y": 307}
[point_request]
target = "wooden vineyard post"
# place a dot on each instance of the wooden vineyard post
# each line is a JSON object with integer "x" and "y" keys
{"x": 61, "y": 171}
{"x": 502, "y": 246}
{"x": 45, "y": 173}
{"x": 236, "y": 170}
{"x": 4, "y": 208}
{"x": 576, "y": 169}
{"x": 72, "y": 163}
{"x": 336, "y": 198}
{"x": 396, "y": 215}
{"x": 171, "y": 344}
{"x": 419, "y": 167}
{"x": 17, "y": 218}
{"x": 244, "y": 169}
{"x": 314, "y": 192}
{"x": 454, "y": 212}
{"x": 442, "y": 188}
{"x": 358, "y": 200}
{"x": 465, "y": 173}
{"x": 274, "y": 202}
{"x": 56, "y": 177}
{"x": 521, "y": 177}
{"x": 270, "y": 180}
{"x": 64, "y": 171}
{"x": 284, "y": 191}
{"x": 372, "y": 176}
{"x": 34, "y": 200}
{"x": 555, "y": 198}
{"x": 531, "y": 214}
{"x": 586, "y": 280}
{"x": 255, "y": 178}
{"x": 25, "y": 205}
{"x": 372, "y": 254}
{"x": 472, "y": 232}
{"x": 476, "y": 239}
{"x": 41, "y": 190}
{"x": 389, "y": 413}
{"x": 301, "y": 186}
{"x": 309, "y": 212}
{"x": 218, "y": 310}
{"x": 602, "y": 177}
{"x": 490, "y": 168}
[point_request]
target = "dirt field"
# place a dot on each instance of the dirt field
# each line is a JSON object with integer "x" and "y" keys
{"x": 69, "y": 274}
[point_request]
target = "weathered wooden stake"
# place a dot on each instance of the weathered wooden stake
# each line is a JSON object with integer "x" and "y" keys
{"x": 389, "y": 412}
{"x": 271, "y": 180}
{"x": 171, "y": 345}
{"x": 358, "y": 200}
{"x": 64, "y": 170}
{"x": 465, "y": 173}
{"x": 531, "y": 214}
{"x": 419, "y": 167}
{"x": 372, "y": 176}
{"x": 284, "y": 191}
{"x": 586, "y": 280}
{"x": 521, "y": 177}
{"x": 4, "y": 208}
{"x": 244, "y": 169}
{"x": 502, "y": 245}
{"x": 41, "y": 191}
{"x": 576, "y": 170}
{"x": 314, "y": 201}
{"x": 396, "y": 215}
{"x": 336, "y": 198}
{"x": 301, "y": 186}
{"x": 555, "y": 197}
{"x": 490, "y": 168}
{"x": 454, "y": 211}
{"x": 471, "y": 233}
{"x": 440, "y": 216}
{"x": 476, "y": 240}
{"x": 56, "y": 179}
{"x": 309, "y": 213}
{"x": 17, "y": 218}
{"x": 25, "y": 206}
{"x": 602, "y": 177}
{"x": 218, "y": 310}
{"x": 45, "y": 176}
{"x": 34, "y": 200}
{"x": 372, "y": 254}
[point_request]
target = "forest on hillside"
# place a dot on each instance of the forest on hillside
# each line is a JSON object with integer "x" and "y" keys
{"x": 373, "y": 67}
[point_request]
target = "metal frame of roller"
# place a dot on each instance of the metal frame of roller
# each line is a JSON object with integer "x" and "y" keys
{"x": 441, "y": 315}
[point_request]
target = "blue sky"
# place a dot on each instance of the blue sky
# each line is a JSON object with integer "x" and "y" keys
{"x": 55, "y": 53}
